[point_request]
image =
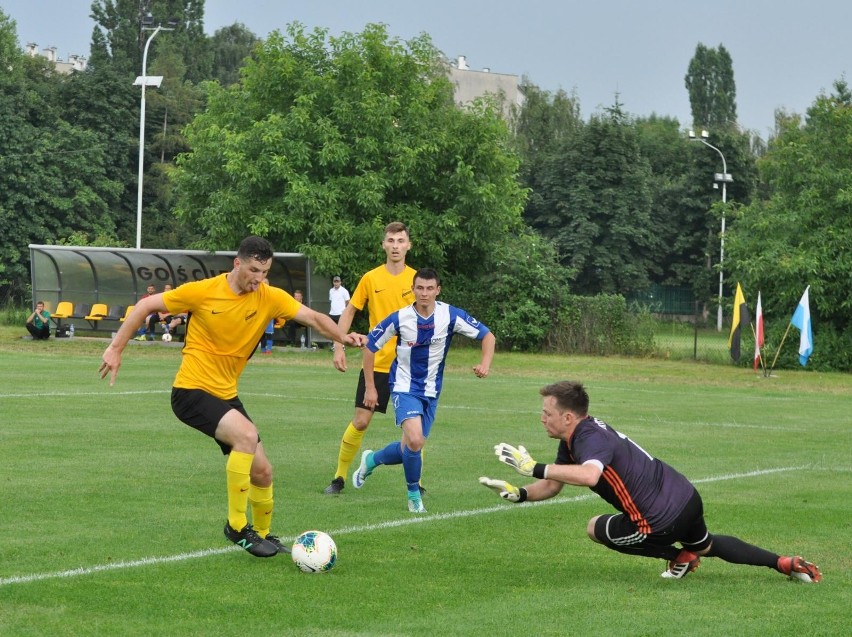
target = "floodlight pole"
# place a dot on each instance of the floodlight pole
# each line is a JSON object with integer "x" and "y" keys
{"x": 144, "y": 80}
{"x": 723, "y": 177}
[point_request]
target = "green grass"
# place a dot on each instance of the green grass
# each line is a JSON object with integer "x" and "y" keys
{"x": 112, "y": 510}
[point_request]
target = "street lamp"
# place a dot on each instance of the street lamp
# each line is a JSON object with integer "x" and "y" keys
{"x": 725, "y": 178}
{"x": 143, "y": 81}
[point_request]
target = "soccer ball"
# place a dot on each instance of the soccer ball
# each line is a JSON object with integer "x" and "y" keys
{"x": 314, "y": 552}
{"x": 167, "y": 338}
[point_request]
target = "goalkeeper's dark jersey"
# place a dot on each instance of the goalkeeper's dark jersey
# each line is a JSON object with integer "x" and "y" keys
{"x": 648, "y": 490}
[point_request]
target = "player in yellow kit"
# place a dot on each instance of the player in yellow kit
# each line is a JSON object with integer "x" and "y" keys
{"x": 229, "y": 314}
{"x": 383, "y": 290}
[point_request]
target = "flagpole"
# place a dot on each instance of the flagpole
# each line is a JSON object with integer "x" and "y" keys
{"x": 778, "y": 351}
{"x": 760, "y": 356}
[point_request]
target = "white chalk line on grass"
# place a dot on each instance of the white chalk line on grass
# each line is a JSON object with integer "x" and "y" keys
{"x": 347, "y": 530}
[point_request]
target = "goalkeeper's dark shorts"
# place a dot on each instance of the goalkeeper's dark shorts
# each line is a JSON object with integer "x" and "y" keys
{"x": 382, "y": 388}
{"x": 203, "y": 411}
{"x": 619, "y": 532}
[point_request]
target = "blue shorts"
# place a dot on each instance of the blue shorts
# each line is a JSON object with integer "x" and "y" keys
{"x": 407, "y": 406}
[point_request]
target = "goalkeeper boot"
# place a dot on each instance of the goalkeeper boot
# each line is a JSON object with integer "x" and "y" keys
{"x": 275, "y": 540}
{"x": 364, "y": 471}
{"x": 415, "y": 502}
{"x": 797, "y": 568}
{"x": 682, "y": 565}
{"x": 335, "y": 487}
{"x": 249, "y": 540}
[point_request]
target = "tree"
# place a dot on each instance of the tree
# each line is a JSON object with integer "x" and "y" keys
{"x": 53, "y": 174}
{"x": 325, "y": 140}
{"x": 801, "y": 234}
{"x": 711, "y": 87}
{"x": 594, "y": 201}
{"x": 119, "y": 38}
{"x": 230, "y": 47}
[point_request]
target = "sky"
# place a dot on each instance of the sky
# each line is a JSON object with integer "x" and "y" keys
{"x": 784, "y": 54}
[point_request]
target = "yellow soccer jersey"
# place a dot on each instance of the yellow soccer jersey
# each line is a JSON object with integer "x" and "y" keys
{"x": 223, "y": 331}
{"x": 384, "y": 294}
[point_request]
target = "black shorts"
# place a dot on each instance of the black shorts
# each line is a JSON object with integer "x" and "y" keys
{"x": 618, "y": 531}
{"x": 382, "y": 388}
{"x": 203, "y": 411}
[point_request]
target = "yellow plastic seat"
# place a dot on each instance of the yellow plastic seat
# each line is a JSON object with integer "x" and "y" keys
{"x": 65, "y": 309}
{"x": 98, "y": 312}
{"x": 127, "y": 312}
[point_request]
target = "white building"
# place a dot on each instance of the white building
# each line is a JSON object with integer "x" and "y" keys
{"x": 74, "y": 62}
{"x": 469, "y": 84}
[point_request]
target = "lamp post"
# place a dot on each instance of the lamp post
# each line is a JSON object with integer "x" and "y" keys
{"x": 724, "y": 177}
{"x": 143, "y": 81}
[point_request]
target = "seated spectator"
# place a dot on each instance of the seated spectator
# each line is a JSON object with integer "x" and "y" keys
{"x": 38, "y": 323}
{"x": 147, "y": 329}
{"x": 296, "y": 331}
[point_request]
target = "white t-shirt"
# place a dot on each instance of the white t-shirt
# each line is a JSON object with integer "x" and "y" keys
{"x": 338, "y": 298}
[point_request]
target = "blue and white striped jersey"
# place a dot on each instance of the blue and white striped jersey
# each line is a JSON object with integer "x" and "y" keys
{"x": 422, "y": 345}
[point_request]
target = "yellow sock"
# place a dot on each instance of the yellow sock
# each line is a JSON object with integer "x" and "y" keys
{"x": 349, "y": 446}
{"x": 237, "y": 472}
{"x": 261, "y": 502}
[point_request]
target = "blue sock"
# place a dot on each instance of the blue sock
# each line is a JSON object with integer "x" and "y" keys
{"x": 412, "y": 464}
{"x": 391, "y": 454}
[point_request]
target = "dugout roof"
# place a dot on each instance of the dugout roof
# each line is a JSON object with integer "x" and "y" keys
{"x": 120, "y": 276}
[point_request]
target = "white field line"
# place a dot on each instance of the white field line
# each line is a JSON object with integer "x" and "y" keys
{"x": 347, "y": 530}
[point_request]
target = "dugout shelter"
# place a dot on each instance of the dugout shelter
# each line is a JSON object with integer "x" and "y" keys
{"x": 99, "y": 284}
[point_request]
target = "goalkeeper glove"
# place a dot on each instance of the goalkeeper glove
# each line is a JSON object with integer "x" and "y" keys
{"x": 504, "y": 489}
{"x": 520, "y": 460}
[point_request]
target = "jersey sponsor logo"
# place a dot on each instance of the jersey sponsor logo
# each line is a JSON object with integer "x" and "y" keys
{"x": 407, "y": 293}
{"x": 376, "y": 332}
{"x": 378, "y": 291}
{"x": 472, "y": 321}
{"x": 249, "y": 315}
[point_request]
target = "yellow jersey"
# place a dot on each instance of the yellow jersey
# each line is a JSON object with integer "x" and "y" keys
{"x": 384, "y": 294}
{"x": 223, "y": 331}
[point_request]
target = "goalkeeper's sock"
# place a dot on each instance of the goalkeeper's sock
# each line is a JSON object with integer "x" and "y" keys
{"x": 391, "y": 454}
{"x": 261, "y": 502}
{"x": 237, "y": 472}
{"x": 734, "y": 550}
{"x": 349, "y": 445}
{"x": 412, "y": 465}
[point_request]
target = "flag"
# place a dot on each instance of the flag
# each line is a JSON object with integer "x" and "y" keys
{"x": 802, "y": 320}
{"x": 758, "y": 332}
{"x": 740, "y": 319}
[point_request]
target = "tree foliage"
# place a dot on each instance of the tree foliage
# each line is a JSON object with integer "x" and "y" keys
{"x": 712, "y": 90}
{"x": 593, "y": 199}
{"x": 230, "y": 47}
{"x": 801, "y": 234}
{"x": 326, "y": 140}
{"x": 54, "y": 176}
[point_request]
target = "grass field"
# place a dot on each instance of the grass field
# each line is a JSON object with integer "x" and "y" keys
{"x": 112, "y": 511}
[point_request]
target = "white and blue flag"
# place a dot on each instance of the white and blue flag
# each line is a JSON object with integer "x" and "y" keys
{"x": 802, "y": 320}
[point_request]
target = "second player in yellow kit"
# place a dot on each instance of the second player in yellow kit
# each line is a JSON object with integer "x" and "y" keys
{"x": 382, "y": 290}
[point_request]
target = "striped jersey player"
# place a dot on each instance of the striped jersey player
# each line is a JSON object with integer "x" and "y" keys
{"x": 424, "y": 332}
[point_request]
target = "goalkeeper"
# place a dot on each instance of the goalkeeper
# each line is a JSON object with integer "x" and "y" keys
{"x": 658, "y": 507}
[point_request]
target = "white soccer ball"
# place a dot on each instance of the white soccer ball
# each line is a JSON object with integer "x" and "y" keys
{"x": 314, "y": 552}
{"x": 167, "y": 338}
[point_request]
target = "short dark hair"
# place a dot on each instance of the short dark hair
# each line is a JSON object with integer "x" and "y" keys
{"x": 569, "y": 395}
{"x": 396, "y": 226}
{"x": 256, "y": 248}
{"x": 427, "y": 274}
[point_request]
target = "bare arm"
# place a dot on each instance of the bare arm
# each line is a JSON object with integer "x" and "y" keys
{"x": 371, "y": 394}
{"x": 344, "y": 323}
{"x": 325, "y": 326}
{"x": 488, "y": 345}
{"x": 111, "y": 359}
